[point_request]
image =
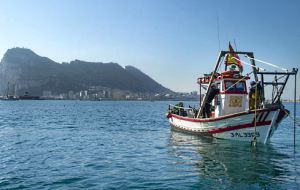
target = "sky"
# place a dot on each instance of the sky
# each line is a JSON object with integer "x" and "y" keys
{"x": 173, "y": 41}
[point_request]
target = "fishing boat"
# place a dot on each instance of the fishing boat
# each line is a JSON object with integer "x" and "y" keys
{"x": 229, "y": 109}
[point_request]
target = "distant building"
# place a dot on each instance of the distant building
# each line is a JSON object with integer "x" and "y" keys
{"x": 71, "y": 95}
{"x": 47, "y": 93}
{"x": 194, "y": 93}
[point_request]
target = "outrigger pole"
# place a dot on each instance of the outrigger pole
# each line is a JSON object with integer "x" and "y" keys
{"x": 200, "y": 113}
{"x": 287, "y": 74}
{"x": 275, "y": 83}
{"x": 276, "y": 99}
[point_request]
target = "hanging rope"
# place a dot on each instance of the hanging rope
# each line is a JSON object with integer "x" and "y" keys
{"x": 267, "y": 63}
{"x": 255, "y": 106}
{"x": 277, "y": 79}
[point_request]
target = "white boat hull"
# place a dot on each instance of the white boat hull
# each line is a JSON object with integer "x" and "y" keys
{"x": 240, "y": 126}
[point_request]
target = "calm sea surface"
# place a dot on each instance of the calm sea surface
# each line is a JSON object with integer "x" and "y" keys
{"x": 129, "y": 145}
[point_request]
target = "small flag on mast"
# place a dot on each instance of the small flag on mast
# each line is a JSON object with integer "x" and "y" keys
{"x": 233, "y": 58}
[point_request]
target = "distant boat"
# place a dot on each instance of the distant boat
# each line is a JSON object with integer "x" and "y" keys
{"x": 228, "y": 110}
{"x": 9, "y": 97}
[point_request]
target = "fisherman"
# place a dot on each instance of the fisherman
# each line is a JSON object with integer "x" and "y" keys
{"x": 212, "y": 93}
{"x": 254, "y": 95}
{"x": 178, "y": 109}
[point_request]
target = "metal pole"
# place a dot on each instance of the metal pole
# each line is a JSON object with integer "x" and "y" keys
{"x": 200, "y": 95}
{"x": 295, "y": 90}
{"x": 262, "y": 88}
{"x": 253, "y": 142}
{"x": 222, "y": 53}
{"x": 251, "y": 55}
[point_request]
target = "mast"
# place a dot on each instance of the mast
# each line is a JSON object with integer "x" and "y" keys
{"x": 200, "y": 95}
{"x": 7, "y": 93}
{"x": 295, "y": 104}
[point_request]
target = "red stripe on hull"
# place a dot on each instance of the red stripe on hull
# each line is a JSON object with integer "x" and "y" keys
{"x": 243, "y": 126}
{"x": 219, "y": 118}
{"x": 230, "y": 128}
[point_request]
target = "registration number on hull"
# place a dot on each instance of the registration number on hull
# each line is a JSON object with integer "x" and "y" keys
{"x": 242, "y": 135}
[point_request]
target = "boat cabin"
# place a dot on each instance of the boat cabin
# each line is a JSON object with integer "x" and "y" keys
{"x": 228, "y": 95}
{"x": 233, "y": 97}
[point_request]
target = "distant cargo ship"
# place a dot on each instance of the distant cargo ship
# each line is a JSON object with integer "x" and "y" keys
{"x": 27, "y": 96}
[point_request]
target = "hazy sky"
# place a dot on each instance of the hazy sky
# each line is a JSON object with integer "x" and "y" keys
{"x": 173, "y": 41}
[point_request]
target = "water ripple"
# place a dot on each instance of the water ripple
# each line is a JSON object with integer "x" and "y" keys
{"x": 129, "y": 145}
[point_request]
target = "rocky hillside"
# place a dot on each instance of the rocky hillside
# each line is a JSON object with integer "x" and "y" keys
{"x": 27, "y": 71}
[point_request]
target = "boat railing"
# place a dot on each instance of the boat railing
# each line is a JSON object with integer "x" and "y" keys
{"x": 183, "y": 111}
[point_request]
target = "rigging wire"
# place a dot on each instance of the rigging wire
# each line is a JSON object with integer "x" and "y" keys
{"x": 267, "y": 63}
{"x": 235, "y": 45}
{"x": 259, "y": 68}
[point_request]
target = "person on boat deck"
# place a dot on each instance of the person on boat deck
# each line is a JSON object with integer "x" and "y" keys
{"x": 212, "y": 93}
{"x": 178, "y": 109}
{"x": 254, "y": 95}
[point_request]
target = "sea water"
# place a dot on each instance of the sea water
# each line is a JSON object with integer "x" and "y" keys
{"x": 129, "y": 145}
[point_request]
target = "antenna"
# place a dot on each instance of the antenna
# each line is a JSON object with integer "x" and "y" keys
{"x": 218, "y": 26}
{"x": 235, "y": 45}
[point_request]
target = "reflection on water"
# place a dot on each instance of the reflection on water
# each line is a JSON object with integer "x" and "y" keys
{"x": 232, "y": 164}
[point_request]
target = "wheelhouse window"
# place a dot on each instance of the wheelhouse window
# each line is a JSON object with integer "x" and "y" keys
{"x": 232, "y": 86}
{"x": 241, "y": 87}
{"x": 229, "y": 86}
{"x": 218, "y": 85}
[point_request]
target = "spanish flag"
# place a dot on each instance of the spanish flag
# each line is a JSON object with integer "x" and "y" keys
{"x": 231, "y": 58}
